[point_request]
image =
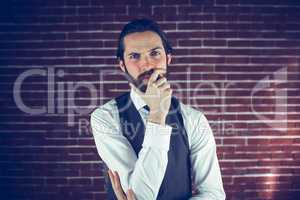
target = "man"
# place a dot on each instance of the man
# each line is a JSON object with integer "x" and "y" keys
{"x": 154, "y": 142}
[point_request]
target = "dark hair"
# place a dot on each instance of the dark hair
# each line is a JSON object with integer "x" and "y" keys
{"x": 142, "y": 25}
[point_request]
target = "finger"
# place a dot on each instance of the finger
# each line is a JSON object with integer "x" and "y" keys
{"x": 119, "y": 194}
{"x": 168, "y": 91}
{"x": 160, "y": 82}
{"x": 118, "y": 182}
{"x": 111, "y": 177}
{"x": 153, "y": 77}
{"x": 164, "y": 86}
{"x": 130, "y": 195}
{"x": 160, "y": 70}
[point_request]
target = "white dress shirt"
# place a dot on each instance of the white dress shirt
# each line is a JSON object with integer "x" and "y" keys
{"x": 144, "y": 173}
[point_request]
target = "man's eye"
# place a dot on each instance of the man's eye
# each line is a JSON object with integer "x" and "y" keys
{"x": 134, "y": 56}
{"x": 155, "y": 53}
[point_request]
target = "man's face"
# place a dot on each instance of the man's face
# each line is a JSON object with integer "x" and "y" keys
{"x": 144, "y": 51}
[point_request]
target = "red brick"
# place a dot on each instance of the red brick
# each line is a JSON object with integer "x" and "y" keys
{"x": 218, "y": 42}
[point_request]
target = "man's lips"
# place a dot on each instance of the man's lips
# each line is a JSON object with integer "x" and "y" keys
{"x": 146, "y": 75}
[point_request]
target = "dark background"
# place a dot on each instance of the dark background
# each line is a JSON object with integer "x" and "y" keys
{"x": 223, "y": 51}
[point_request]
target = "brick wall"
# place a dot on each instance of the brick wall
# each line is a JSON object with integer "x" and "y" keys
{"x": 237, "y": 61}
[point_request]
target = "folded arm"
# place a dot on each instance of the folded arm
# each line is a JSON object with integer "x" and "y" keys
{"x": 143, "y": 173}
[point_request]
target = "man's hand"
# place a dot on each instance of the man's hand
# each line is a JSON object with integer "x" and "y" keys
{"x": 157, "y": 97}
{"x": 116, "y": 184}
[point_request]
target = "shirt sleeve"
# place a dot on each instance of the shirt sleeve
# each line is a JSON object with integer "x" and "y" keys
{"x": 205, "y": 166}
{"x": 143, "y": 173}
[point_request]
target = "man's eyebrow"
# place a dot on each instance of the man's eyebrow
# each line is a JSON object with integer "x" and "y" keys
{"x": 155, "y": 48}
{"x": 132, "y": 53}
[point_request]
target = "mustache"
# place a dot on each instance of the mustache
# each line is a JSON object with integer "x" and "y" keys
{"x": 150, "y": 72}
{"x": 138, "y": 82}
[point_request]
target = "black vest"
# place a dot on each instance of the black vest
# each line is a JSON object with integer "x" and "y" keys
{"x": 176, "y": 184}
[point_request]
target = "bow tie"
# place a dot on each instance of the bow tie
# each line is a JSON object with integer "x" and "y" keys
{"x": 146, "y": 108}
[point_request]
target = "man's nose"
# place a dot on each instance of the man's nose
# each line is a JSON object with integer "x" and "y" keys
{"x": 146, "y": 64}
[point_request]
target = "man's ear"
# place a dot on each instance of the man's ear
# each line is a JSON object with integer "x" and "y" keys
{"x": 169, "y": 58}
{"x": 122, "y": 66}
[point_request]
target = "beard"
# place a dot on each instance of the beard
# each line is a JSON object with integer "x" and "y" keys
{"x": 139, "y": 81}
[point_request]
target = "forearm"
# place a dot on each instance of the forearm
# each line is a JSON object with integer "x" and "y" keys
{"x": 152, "y": 160}
{"x": 147, "y": 176}
{"x": 143, "y": 173}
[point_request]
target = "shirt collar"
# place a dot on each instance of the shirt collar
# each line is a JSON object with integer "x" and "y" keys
{"x": 137, "y": 99}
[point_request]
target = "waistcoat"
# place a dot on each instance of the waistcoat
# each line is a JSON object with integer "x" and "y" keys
{"x": 176, "y": 184}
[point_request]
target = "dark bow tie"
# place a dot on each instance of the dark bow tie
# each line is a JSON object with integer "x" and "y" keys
{"x": 146, "y": 107}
